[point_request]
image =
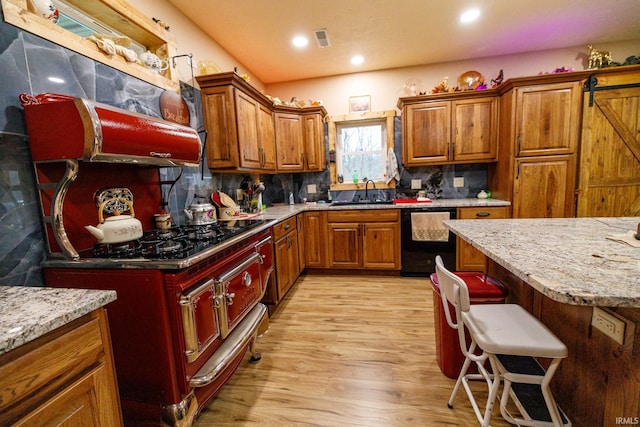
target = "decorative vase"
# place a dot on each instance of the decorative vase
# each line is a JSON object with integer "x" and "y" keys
{"x": 45, "y": 9}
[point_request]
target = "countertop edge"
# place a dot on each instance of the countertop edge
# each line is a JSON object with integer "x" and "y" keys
{"x": 560, "y": 292}
{"x": 283, "y": 212}
{"x": 31, "y": 312}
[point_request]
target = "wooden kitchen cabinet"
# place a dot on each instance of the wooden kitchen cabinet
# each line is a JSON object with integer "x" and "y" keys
{"x": 302, "y": 249}
{"x": 537, "y": 156}
{"x": 315, "y": 239}
{"x": 546, "y": 119}
{"x": 449, "y": 128}
{"x": 65, "y": 377}
{"x": 300, "y": 139}
{"x": 239, "y": 124}
{"x": 364, "y": 239}
{"x": 287, "y": 265}
{"x": 544, "y": 187}
{"x": 469, "y": 258}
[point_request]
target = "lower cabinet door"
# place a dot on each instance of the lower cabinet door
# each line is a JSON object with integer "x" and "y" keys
{"x": 344, "y": 245}
{"x": 544, "y": 187}
{"x": 381, "y": 246}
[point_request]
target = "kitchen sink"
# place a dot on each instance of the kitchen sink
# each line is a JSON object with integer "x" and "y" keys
{"x": 361, "y": 202}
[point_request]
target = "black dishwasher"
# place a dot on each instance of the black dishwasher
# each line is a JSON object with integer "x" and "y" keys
{"x": 419, "y": 254}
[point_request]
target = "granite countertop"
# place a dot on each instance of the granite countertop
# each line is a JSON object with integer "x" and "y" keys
{"x": 285, "y": 211}
{"x": 569, "y": 260}
{"x": 27, "y": 313}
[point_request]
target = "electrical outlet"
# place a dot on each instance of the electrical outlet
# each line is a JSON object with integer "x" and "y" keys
{"x": 239, "y": 194}
{"x": 458, "y": 181}
{"x": 416, "y": 184}
{"x": 311, "y": 189}
{"x": 608, "y": 324}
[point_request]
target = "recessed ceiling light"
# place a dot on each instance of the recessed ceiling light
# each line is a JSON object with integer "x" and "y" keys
{"x": 357, "y": 60}
{"x": 469, "y": 16}
{"x": 300, "y": 41}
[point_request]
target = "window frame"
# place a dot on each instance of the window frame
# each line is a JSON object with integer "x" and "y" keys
{"x": 348, "y": 119}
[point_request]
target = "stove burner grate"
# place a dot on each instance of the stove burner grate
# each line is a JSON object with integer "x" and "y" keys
{"x": 176, "y": 243}
{"x": 116, "y": 250}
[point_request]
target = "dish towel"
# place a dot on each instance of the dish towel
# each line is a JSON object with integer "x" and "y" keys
{"x": 428, "y": 226}
{"x": 392, "y": 166}
{"x": 629, "y": 238}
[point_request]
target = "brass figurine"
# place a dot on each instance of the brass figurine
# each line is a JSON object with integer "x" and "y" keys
{"x": 599, "y": 58}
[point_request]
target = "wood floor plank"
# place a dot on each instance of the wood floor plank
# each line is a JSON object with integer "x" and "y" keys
{"x": 346, "y": 351}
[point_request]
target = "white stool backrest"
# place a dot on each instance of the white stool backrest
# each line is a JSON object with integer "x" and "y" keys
{"x": 452, "y": 289}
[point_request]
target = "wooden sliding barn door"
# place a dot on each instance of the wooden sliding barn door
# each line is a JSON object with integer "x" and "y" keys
{"x": 609, "y": 176}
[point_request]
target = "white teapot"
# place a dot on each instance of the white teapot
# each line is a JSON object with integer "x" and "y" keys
{"x": 117, "y": 228}
{"x": 152, "y": 61}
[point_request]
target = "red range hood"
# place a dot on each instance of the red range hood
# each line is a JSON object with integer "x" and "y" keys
{"x": 63, "y": 127}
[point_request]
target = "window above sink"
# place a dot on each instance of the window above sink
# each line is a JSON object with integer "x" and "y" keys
{"x": 360, "y": 142}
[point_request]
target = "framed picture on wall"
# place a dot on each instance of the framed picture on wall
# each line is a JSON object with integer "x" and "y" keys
{"x": 360, "y": 104}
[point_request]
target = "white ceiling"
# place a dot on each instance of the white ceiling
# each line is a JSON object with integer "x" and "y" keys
{"x": 401, "y": 33}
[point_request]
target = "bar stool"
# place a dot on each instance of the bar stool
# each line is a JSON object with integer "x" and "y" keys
{"x": 511, "y": 339}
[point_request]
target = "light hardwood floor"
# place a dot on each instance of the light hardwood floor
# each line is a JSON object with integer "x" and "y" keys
{"x": 346, "y": 351}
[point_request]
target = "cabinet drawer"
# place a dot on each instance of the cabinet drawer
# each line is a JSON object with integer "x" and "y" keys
{"x": 483, "y": 212}
{"x": 36, "y": 371}
{"x": 282, "y": 228}
{"x": 362, "y": 215}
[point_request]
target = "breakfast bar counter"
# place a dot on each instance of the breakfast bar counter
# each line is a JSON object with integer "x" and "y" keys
{"x": 569, "y": 260}
{"x": 563, "y": 271}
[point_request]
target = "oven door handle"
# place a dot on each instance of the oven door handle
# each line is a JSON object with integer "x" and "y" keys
{"x": 230, "y": 348}
{"x": 226, "y": 276}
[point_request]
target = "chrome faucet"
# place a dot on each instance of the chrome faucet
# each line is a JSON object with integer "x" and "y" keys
{"x": 366, "y": 188}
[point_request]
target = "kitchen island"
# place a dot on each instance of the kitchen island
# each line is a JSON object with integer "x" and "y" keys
{"x": 560, "y": 270}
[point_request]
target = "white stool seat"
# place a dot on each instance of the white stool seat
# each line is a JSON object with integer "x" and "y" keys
{"x": 511, "y": 339}
{"x": 510, "y": 329}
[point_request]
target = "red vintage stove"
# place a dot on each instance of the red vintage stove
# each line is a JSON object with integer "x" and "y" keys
{"x": 187, "y": 307}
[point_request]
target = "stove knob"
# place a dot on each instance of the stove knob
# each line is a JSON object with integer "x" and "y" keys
{"x": 246, "y": 279}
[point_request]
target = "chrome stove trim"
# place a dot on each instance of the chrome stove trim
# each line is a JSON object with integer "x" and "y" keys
{"x": 93, "y": 140}
{"x": 181, "y": 414}
{"x": 162, "y": 264}
{"x": 226, "y": 299}
{"x": 189, "y": 324}
{"x": 232, "y": 346}
{"x": 55, "y": 218}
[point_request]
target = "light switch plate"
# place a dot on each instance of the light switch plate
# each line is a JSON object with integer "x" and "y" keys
{"x": 608, "y": 324}
{"x": 416, "y": 184}
{"x": 458, "y": 181}
{"x": 239, "y": 194}
{"x": 311, "y": 189}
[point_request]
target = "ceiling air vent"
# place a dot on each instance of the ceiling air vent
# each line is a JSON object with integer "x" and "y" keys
{"x": 322, "y": 38}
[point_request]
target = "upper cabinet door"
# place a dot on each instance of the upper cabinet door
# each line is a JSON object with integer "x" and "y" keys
{"x": 248, "y": 131}
{"x": 427, "y": 130}
{"x": 289, "y": 142}
{"x": 220, "y": 122}
{"x": 315, "y": 157}
{"x": 267, "y": 139}
{"x": 475, "y": 124}
{"x": 547, "y": 119}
